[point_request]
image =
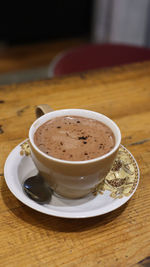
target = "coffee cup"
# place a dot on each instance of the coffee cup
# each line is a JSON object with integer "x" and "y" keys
{"x": 72, "y": 179}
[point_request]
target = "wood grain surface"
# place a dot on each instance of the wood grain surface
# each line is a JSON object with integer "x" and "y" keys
{"x": 120, "y": 238}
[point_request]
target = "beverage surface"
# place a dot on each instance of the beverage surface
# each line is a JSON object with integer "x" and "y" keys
{"x": 74, "y": 138}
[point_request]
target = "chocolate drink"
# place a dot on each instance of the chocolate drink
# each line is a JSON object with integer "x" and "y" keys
{"x": 74, "y": 138}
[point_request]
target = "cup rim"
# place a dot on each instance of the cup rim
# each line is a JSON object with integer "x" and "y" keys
{"x": 31, "y": 136}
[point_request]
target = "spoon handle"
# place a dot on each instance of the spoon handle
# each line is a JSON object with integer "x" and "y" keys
{"x": 42, "y": 109}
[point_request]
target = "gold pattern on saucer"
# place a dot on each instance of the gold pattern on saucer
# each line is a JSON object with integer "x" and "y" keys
{"x": 122, "y": 178}
{"x": 25, "y": 149}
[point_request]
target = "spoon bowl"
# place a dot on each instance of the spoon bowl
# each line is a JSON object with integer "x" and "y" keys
{"x": 37, "y": 189}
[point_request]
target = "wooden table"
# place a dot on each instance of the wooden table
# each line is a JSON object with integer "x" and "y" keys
{"x": 120, "y": 238}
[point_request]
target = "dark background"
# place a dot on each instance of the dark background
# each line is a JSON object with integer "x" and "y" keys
{"x": 42, "y": 22}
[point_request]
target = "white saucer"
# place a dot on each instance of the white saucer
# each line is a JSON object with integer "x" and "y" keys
{"x": 19, "y": 167}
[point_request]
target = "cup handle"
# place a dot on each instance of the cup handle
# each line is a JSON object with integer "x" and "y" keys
{"x": 42, "y": 109}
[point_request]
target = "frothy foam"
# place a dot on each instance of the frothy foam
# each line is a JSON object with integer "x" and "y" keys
{"x": 74, "y": 138}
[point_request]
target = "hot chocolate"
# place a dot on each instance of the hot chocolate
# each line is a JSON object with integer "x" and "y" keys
{"x": 74, "y": 138}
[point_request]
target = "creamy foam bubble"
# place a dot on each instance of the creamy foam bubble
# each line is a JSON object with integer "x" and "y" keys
{"x": 74, "y": 138}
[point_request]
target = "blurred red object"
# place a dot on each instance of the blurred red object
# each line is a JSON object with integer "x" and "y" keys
{"x": 95, "y": 56}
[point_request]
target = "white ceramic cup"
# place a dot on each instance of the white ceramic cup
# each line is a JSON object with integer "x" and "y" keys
{"x": 73, "y": 179}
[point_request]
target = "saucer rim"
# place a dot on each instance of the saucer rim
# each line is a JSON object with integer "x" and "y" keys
{"x": 63, "y": 214}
